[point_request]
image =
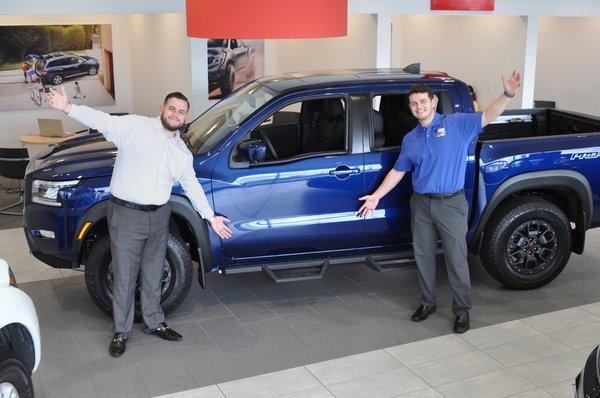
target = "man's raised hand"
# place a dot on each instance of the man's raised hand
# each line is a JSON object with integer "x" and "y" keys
{"x": 58, "y": 99}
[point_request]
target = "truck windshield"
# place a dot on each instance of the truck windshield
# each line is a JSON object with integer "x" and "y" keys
{"x": 217, "y": 122}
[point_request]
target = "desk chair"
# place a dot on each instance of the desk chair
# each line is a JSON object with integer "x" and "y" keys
{"x": 13, "y": 162}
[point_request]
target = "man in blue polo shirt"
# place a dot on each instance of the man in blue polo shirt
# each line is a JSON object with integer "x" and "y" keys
{"x": 435, "y": 151}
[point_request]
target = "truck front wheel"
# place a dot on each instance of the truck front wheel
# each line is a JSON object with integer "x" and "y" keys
{"x": 176, "y": 280}
{"x": 527, "y": 243}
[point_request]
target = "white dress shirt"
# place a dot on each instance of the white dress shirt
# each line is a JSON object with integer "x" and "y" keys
{"x": 149, "y": 162}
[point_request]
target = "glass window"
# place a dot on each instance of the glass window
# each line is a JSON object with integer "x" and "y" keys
{"x": 301, "y": 129}
{"x": 392, "y": 118}
{"x": 217, "y": 122}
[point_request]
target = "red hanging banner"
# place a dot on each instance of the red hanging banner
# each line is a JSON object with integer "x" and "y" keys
{"x": 266, "y": 19}
{"x": 463, "y": 5}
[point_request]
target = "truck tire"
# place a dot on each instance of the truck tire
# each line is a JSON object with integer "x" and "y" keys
{"x": 15, "y": 380}
{"x": 527, "y": 243}
{"x": 228, "y": 80}
{"x": 177, "y": 276}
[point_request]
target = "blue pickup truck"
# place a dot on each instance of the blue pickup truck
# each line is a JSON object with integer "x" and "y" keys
{"x": 286, "y": 158}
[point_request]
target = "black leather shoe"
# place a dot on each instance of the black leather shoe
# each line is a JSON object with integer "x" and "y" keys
{"x": 461, "y": 323}
{"x": 164, "y": 332}
{"x": 422, "y": 313}
{"x": 117, "y": 345}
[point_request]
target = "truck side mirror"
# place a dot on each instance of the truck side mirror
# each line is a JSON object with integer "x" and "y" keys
{"x": 253, "y": 151}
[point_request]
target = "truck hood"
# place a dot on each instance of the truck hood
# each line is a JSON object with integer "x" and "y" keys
{"x": 88, "y": 157}
{"x": 82, "y": 157}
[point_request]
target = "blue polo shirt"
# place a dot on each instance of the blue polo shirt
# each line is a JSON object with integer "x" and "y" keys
{"x": 437, "y": 155}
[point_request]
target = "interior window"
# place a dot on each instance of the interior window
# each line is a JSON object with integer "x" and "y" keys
{"x": 392, "y": 118}
{"x": 299, "y": 129}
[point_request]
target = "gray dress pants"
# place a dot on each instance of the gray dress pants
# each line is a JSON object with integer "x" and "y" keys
{"x": 138, "y": 246}
{"x": 448, "y": 218}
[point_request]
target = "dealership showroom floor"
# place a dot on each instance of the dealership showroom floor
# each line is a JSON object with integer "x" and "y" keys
{"x": 348, "y": 334}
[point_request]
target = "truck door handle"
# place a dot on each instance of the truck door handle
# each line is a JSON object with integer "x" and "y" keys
{"x": 343, "y": 172}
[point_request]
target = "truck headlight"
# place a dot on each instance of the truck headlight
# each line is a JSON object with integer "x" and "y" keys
{"x": 46, "y": 192}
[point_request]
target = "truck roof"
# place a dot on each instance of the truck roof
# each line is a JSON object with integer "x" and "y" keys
{"x": 288, "y": 81}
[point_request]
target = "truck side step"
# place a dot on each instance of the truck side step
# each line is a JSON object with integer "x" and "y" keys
{"x": 386, "y": 265}
{"x": 293, "y": 272}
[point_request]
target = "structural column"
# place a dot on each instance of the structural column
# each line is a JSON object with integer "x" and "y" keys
{"x": 384, "y": 40}
{"x": 199, "y": 78}
{"x": 531, "y": 45}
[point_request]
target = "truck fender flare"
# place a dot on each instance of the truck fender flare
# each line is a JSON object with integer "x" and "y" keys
{"x": 548, "y": 179}
{"x": 180, "y": 207}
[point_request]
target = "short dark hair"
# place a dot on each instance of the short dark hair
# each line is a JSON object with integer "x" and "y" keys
{"x": 421, "y": 88}
{"x": 178, "y": 96}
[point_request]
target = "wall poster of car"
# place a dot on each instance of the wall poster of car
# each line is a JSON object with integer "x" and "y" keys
{"x": 232, "y": 63}
{"x": 34, "y": 59}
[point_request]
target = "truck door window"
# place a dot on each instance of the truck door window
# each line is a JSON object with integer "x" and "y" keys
{"x": 392, "y": 118}
{"x": 301, "y": 129}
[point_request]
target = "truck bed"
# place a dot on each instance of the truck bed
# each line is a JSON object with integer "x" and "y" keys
{"x": 539, "y": 122}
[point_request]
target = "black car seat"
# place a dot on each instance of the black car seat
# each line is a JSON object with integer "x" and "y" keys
{"x": 329, "y": 134}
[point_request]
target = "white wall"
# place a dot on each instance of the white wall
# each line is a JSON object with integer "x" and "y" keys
{"x": 13, "y": 124}
{"x": 475, "y": 49}
{"x": 568, "y": 61}
{"x": 160, "y": 60}
{"x": 357, "y": 50}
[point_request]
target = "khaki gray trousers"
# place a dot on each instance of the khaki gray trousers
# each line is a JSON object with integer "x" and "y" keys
{"x": 446, "y": 218}
{"x": 138, "y": 244}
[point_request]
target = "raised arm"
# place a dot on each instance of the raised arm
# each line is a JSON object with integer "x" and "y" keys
{"x": 117, "y": 129}
{"x": 495, "y": 109}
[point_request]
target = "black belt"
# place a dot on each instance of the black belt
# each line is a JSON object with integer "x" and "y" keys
{"x": 134, "y": 206}
{"x": 442, "y": 195}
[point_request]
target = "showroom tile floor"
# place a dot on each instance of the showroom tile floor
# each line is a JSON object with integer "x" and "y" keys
{"x": 347, "y": 331}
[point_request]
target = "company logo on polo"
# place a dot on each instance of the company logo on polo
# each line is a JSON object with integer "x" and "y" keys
{"x": 440, "y": 132}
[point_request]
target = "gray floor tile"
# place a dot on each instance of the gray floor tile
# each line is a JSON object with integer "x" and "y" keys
{"x": 545, "y": 372}
{"x": 209, "y": 367}
{"x": 560, "y": 320}
{"x": 430, "y": 349}
{"x": 386, "y": 384}
{"x": 326, "y": 339}
{"x": 496, "y": 384}
{"x": 204, "y": 305}
{"x": 247, "y": 307}
{"x": 124, "y": 384}
{"x": 560, "y": 390}
{"x": 427, "y": 393}
{"x": 279, "y": 338}
{"x": 164, "y": 375}
{"x": 271, "y": 385}
{"x": 228, "y": 333}
{"x": 527, "y": 350}
{"x": 580, "y": 336}
{"x": 293, "y": 312}
{"x": 352, "y": 367}
{"x": 339, "y": 313}
{"x": 75, "y": 383}
{"x": 458, "y": 367}
{"x": 500, "y": 334}
{"x": 317, "y": 392}
{"x": 537, "y": 393}
{"x": 203, "y": 392}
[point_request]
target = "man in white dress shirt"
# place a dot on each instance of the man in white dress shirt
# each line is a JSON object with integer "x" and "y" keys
{"x": 151, "y": 157}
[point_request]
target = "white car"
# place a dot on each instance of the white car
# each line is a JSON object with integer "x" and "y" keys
{"x": 19, "y": 338}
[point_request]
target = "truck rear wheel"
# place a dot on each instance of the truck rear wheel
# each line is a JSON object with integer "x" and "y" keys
{"x": 15, "y": 380}
{"x": 527, "y": 243}
{"x": 176, "y": 282}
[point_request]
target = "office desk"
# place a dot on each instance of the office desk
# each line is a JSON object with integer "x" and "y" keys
{"x": 36, "y": 139}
